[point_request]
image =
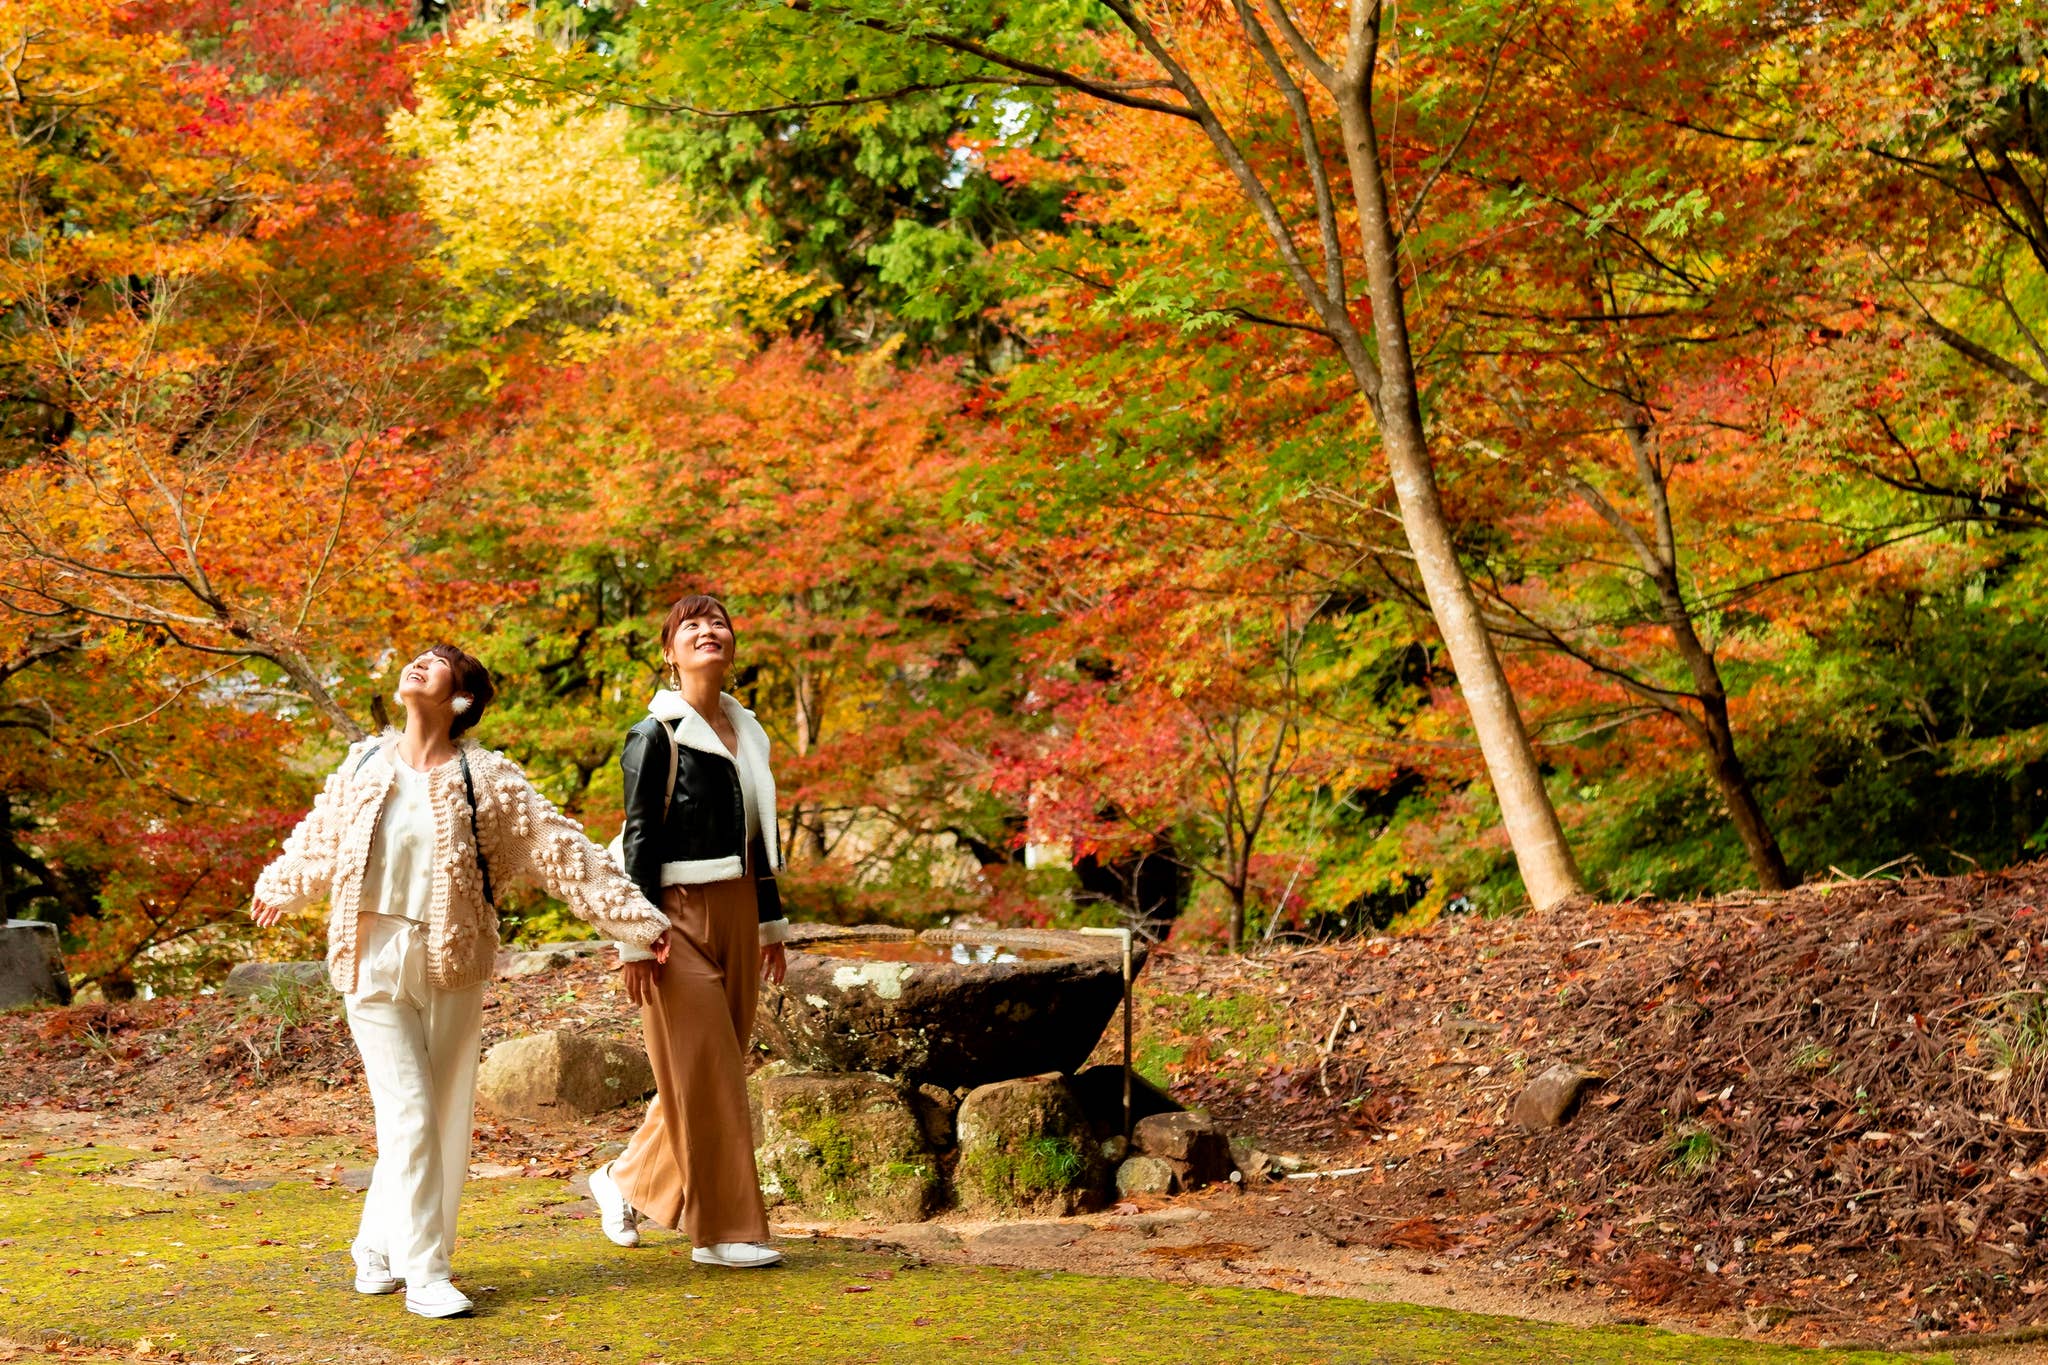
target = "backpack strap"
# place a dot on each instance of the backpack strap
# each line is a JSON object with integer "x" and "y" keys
{"x": 476, "y": 837}
{"x": 675, "y": 757}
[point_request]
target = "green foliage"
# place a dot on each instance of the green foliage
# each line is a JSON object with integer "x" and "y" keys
{"x": 290, "y": 1002}
{"x": 896, "y": 201}
{"x": 1692, "y": 1151}
{"x": 1908, "y": 729}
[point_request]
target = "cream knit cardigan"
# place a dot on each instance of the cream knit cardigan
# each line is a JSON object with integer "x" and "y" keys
{"x": 524, "y": 837}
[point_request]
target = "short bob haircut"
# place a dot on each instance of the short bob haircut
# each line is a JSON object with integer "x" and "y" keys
{"x": 472, "y": 680}
{"x": 689, "y": 608}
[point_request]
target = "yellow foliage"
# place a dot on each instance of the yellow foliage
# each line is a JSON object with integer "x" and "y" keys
{"x": 547, "y": 222}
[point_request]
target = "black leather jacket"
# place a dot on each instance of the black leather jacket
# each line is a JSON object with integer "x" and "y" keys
{"x": 704, "y": 838}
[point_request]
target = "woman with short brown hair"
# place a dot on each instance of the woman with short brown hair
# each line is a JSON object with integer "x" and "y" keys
{"x": 700, "y": 841}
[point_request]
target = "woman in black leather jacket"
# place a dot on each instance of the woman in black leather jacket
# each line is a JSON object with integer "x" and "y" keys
{"x": 700, "y": 842}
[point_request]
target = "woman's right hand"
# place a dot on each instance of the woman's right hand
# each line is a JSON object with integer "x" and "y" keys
{"x": 266, "y": 915}
{"x": 642, "y": 979}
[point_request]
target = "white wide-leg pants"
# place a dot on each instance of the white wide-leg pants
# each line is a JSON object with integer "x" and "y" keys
{"x": 419, "y": 1048}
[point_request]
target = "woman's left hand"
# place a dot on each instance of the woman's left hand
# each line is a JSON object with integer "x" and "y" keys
{"x": 774, "y": 963}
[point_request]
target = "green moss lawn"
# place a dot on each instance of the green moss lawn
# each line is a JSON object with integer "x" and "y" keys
{"x": 253, "y": 1274}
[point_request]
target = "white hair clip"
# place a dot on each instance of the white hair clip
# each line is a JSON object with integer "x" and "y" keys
{"x": 460, "y": 705}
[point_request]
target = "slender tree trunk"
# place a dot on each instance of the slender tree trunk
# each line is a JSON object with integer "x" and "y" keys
{"x": 1545, "y": 859}
{"x": 1765, "y": 857}
{"x": 1717, "y": 737}
{"x": 1713, "y": 728}
{"x": 806, "y": 829}
{"x": 6, "y": 856}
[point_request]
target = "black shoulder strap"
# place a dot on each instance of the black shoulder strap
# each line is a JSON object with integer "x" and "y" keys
{"x": 361, "y": 761}
{"x": 476, "y": 837}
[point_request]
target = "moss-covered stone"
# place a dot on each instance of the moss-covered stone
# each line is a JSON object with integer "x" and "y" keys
{"x": 1025, "y": 1145}
{"x": 840, "y": 1144}
{"x": 265, "y": 1274}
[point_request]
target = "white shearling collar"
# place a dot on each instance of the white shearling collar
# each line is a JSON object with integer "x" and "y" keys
{"x": 693, "y": 731}
{"x": 668, "y": 704}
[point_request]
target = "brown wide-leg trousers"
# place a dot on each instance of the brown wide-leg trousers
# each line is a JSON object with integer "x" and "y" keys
{"x": 690, "y": 1164}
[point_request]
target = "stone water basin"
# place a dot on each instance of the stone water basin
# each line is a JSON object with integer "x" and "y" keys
{"x": 946, "y": 1007}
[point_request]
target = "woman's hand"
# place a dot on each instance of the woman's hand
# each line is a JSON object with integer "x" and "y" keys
{"x": 774, "y": 963}
{"x": 267, "y": 915}
{"x": 643, "y": 979}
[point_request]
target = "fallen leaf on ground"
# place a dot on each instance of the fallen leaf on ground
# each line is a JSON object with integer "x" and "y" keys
{"x": 1202, "y": 1251}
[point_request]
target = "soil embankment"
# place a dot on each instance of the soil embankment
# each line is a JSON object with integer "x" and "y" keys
{"x": 1825, "y": 1111}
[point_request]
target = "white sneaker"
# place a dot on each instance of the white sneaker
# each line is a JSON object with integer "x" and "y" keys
{"x": 736, "y": 1255}
{"x": 621, "y": 1222}
{"x": 441, "y": 1299}
{"x": 373, "y": 1273}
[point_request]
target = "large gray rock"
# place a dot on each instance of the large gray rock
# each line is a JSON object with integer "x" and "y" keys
{"x": 1196, "y": 1143}
{"x": 559, "y": 1071}
{"x": 1550, "y": 1100}
{"x": 840, "y": 1144}
{"x": 1025, "y": 1144}
{"x": 258, "y": 978}
{"x": 31, "y": 965}
{"x": 935, "y": 1008}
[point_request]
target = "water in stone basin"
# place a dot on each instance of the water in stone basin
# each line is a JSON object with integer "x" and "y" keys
{"x": 916, "y": 950}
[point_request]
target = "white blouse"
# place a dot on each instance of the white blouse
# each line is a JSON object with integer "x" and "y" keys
{"x": 398, "y": 880}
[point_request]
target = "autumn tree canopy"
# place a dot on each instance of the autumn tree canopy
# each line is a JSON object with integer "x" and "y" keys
{"x": 1244, "y": 466}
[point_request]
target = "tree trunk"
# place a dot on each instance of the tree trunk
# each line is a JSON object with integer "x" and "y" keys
{"x": 1717, "y": 737}
{"x": 1713, "y": 729}
{"x": 6, "y": 856}
{"x": 1548, "y": 870}
{"x": 806, "y": 830}
{"x": 1765, "y": 857}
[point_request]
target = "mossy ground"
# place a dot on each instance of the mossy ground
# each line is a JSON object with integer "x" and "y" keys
{"x": 256, "y": 1273}
{"x": 1248, "y": 1022}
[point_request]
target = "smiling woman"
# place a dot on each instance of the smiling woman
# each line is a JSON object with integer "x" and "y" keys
{"x": 406, "y": 843}
{"x": 700, "y": 840}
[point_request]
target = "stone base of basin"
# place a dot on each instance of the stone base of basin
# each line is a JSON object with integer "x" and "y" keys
{"x": 845, "y": 1145}
{"x": 859, "y": 1145}
{"x": 948, "y": 1007}
{"x": 1025, "y": 1146}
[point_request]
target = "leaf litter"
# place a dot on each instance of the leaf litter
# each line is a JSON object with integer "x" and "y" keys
{"x": 1827, "y": 1107}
